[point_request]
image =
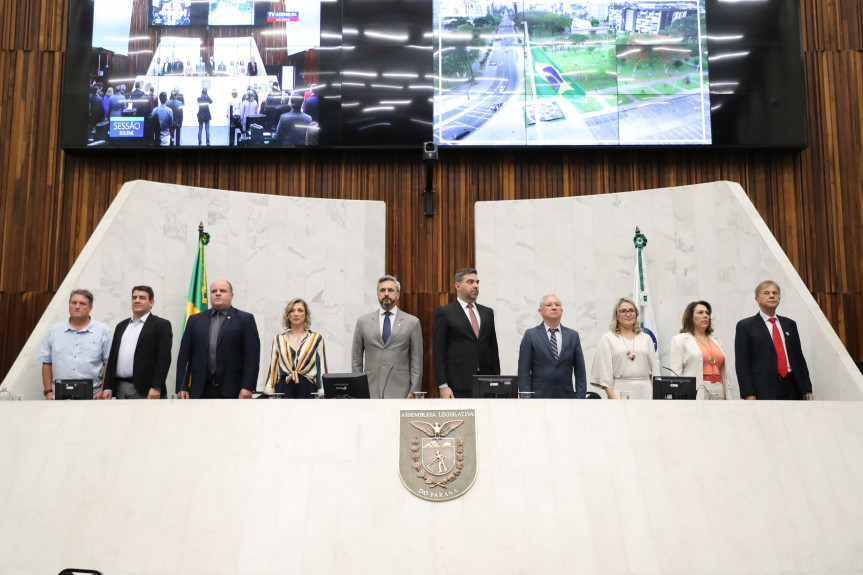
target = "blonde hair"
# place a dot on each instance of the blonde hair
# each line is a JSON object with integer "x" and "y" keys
{"x": 615, "y": 323}
{"x": 286, "y": 317}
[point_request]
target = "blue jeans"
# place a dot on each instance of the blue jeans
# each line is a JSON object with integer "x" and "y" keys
{"x": 201, "y": 125}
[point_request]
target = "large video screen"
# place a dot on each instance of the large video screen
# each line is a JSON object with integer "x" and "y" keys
{"x": 599, "y": 73}
{"x": 461, "y": 73}
{"x": 231, "y": 13}
{"x": 171, "y": 13}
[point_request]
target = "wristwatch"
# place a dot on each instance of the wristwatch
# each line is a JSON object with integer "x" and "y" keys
{"x": 47, "y": 391}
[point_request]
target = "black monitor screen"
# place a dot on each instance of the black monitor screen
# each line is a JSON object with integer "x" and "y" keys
{"x": 346, "y": 386}
{"x": 674, "y": 388}
{"x": 73, "y": 389}
{"x": 495, "y": 386}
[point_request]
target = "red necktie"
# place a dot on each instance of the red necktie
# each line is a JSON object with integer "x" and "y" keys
{"x": 782, "y": 360}
{"x": 473, "y": 320}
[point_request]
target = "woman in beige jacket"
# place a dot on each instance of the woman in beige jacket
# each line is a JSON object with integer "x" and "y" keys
{"x": 696, "y": 352}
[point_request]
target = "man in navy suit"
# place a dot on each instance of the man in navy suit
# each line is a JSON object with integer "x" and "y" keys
{"x": 464, "y": 342}
{"x": 770, "y": 362}
{"x": 220, "y": 350}
{"x": 140, "y": 352}
{"x": 550, "y": 355}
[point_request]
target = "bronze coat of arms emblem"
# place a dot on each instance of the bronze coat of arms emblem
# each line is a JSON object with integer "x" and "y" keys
{"x": 437, "y": 452}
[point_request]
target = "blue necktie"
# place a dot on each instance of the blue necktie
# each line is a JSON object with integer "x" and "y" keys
{"x": 385, "y": 334}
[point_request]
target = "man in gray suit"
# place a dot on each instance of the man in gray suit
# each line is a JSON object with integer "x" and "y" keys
{"x": 392, "y": 343}
{"x": 550, "y": 355}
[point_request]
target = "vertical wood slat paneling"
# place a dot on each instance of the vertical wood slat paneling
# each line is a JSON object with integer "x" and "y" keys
{"x": 51, "y": 201}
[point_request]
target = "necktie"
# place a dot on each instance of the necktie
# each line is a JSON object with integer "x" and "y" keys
{"x": 385, "y": 333}
{"x": 781, "y": 358}
{"x": 215, "y": 326}
{"x": 473, "y": 321}
{"x": 553, "y": 341}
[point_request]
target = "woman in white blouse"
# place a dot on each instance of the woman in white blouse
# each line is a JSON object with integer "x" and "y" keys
{"x": 696, "y": 352}
{"x": 625, "y": 358}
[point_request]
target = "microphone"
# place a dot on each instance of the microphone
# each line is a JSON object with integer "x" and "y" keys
{"x": 669, "y": 369}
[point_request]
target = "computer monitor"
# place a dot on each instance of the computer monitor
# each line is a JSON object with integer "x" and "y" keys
{"x": 258, "y": 119}
{"x": 674, "y": 388}
{"x": 73, "y": 389}
{"x": 346, "y": 386}
{"x": 495, "y": 386}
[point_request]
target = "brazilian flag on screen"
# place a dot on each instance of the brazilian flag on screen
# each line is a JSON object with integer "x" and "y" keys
{"x": 197, "y": 300}
{"x": 548, "y": 78}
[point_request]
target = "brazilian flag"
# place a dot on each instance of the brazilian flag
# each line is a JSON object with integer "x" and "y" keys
{"x": 548, "y": 79}
{"x": 197, "y": 300}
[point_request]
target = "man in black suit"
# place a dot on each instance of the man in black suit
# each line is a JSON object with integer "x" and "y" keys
{"x": 464, "y": 342}
{"x": 770, "y": 362}
{"x": 220, "y": 350}
{"x": 252, "y": 69}
{"x": 140, "y": 101}
{"x": 140, "y": 352}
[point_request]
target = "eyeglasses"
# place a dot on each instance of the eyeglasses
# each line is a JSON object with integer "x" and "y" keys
{"x": 626, "y": 311}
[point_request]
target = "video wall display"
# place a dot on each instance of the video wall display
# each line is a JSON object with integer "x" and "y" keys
{"x": 205, "y": 13}
{"x": 600, "y": 73}
{"x": 461, "y": 73}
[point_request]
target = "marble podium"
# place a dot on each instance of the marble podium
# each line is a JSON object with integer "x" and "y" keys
{"x": 563, "y": 486}
{"x": 271, "y": 248}
{"x": 704, "y": 242}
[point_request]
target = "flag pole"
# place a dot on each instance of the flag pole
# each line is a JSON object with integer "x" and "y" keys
{"x": 196, "y": 300}
{"x": 641, "y": 293}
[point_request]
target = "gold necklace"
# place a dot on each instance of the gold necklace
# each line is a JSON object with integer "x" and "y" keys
{"x": 709, "y": 347}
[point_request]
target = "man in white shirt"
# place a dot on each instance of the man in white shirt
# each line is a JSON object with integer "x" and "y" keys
{"x": 140, "y": 353}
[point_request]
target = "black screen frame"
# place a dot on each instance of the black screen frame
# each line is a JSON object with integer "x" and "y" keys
{"x": 767, "y": 109}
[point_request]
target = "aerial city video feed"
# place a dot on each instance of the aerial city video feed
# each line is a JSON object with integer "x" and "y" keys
{"x": 586, "y": 72}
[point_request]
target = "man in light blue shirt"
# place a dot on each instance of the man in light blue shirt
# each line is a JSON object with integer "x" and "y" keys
{"x": 77, "y": 348}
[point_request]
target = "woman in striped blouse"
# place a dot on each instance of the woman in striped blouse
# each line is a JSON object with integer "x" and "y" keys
{"x": 299, "y": 357}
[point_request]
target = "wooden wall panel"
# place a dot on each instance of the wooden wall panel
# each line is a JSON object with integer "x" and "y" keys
{"x": 51, "y": 201}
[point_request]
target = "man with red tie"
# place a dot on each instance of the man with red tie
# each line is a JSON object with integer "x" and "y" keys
{"x": 464, "y": 341}
{"x": 769, "y": 358}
